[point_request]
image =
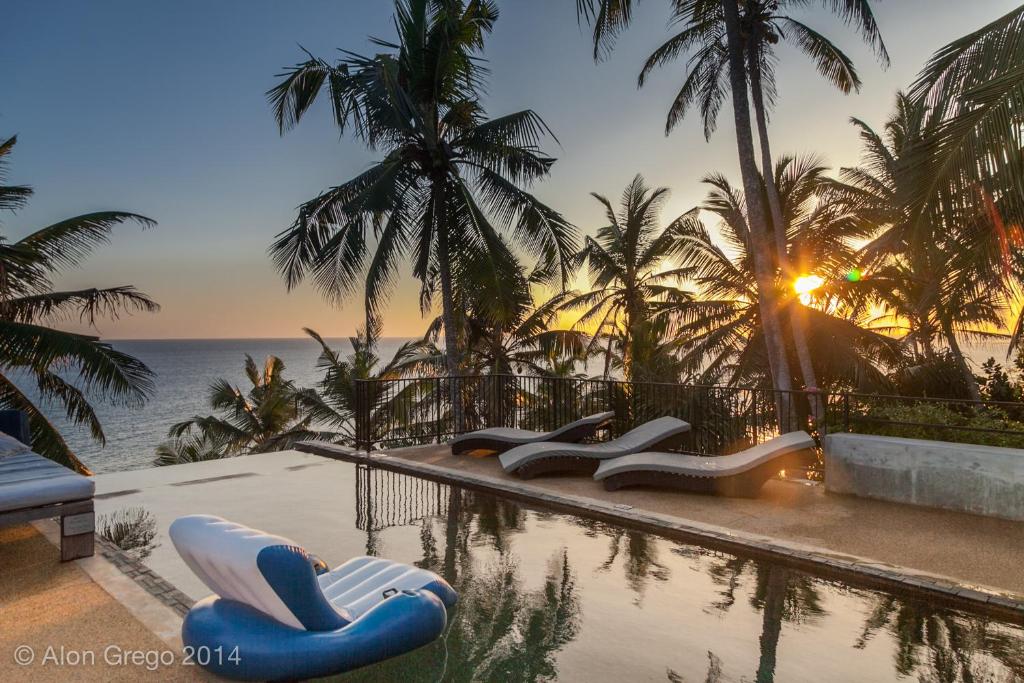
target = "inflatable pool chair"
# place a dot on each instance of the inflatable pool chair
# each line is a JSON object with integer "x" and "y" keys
{"x": 278, "y": 613}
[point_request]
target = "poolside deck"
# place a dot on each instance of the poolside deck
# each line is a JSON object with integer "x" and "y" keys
{"x": 312, "y": 499}
{"x": 960, "y": 555}
{"x": 81, "y": 620}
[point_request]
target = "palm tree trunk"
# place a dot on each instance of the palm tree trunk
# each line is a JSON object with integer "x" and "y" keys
{"x": 771, "y": 627}
{"x": 961, "y": 362}
{"x": 797, "y": 320}
{"x": 761, "y": 249}
{"x": 453, "y": 357}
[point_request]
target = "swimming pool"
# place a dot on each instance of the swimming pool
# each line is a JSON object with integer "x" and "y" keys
{"x": 548, "y": 596}
{"x": 552, "y": 596}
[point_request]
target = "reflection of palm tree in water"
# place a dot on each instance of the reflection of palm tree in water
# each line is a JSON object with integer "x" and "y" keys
{"x": 714, "y": 674}
{"x": 640, "y": 551}
{"x": 781, "y": 594}
{"x": 499, "y": 630}
{"x": 641, "y": 560}
{"x": 935, "y": 644}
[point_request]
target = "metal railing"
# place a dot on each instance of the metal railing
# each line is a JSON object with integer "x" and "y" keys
{"x": 405, "y": 412}
{"x": 414, "y": 411}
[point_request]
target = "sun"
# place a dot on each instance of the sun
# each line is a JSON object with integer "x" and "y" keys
{"x": 804, "y": 285}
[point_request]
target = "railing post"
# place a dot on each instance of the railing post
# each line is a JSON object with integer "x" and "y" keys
{"x": 846, "y": 411}
{"x": 437, "y": 409}
{"x": 362, "y": 415}
{"x": 753, "y": 403}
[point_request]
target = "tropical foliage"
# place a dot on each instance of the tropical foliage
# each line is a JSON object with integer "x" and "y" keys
{"x": 722, "y": 337}
{"x": 451, "y": 179}
{"x": 267, "y": 417}
{"x": 633, "y": 289}
{"x": 68, "y": 370}
{"x": 332, "y": 404}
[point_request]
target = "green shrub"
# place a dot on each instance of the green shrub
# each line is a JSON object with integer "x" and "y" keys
{"x": 940, "y": 422}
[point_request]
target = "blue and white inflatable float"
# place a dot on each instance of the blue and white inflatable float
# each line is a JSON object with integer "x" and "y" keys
{"x": 280, "y": 614}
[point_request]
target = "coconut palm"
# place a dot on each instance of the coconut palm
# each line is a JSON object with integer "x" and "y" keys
{"x": 629, "y": 264}
{"x": 190, "y": 448}
{"x": 450, "y": 181}
{"x": 971, "y": 163}
{"x": 68, "y": 369}
{"x": 510, "y": 326}
{"x": 722, "y": 335}
{"x": 764, "y": 24}
{"x": 610, "y": 17}
{"x": 268, "y": 417}
{"x": 936, "y": 275}
{"x": 332, "y": 404}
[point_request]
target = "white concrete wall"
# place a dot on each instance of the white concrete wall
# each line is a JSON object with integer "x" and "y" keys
{"x": 981, "y": 479}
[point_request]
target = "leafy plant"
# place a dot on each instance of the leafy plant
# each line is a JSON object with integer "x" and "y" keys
{"x": 130, "y": 529}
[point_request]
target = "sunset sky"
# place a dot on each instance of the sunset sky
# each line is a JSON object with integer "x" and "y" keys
{"x": 159, "y": 108}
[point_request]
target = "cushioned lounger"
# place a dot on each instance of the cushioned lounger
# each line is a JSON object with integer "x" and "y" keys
{"x": 500, "y": 439}
{"x": 532, "y": 459}
{"x": 33, "y": 487}
{"x": 740, "y": 474}
{"x": 279, "y": 614}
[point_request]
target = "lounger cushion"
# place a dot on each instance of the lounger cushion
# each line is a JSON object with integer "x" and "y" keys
{"x": 639, "y": 438}
{"x": 29, "y": 480}
{"x": 699, "y": 466}
{"x": 513, "y": 435}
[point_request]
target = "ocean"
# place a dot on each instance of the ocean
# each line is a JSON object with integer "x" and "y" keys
{"x": 184, "y": 370}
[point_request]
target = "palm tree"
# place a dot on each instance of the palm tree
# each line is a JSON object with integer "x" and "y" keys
{"x": 507, "y": 330}
{"x": 66, "y": 368}
{"x": 450, "y": 180}
{"x": 928, "y": 273}
{"x": 268, "y": 417}
{"x": 722, "y": 331}
{"x": 971, "y": 163}
{"x": 764, "y": 24}
{"x": 626, "y": 261}
{"x": 333, "y": 404}
{"x": 190, "y": 448}
{"x": 610, "y": 17}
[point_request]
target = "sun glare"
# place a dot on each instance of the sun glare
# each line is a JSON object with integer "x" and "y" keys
{"x": 804, "y": 285}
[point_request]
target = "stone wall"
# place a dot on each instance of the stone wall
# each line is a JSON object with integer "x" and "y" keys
{"x": 985, "y": 480}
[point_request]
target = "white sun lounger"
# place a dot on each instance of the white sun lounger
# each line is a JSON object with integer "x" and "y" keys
{"x": 532, "y": 459}
{"x": 740, "y": 474}
{"x": 500, "y": 439}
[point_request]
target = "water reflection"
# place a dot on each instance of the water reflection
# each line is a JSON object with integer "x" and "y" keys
{"x": 546, "y": 596}
{"x": 940, "y": 645}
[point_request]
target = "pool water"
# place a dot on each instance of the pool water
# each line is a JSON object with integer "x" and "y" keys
{"x": 547, "y": 596}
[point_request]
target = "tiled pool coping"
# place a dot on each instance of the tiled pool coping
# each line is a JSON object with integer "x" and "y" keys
{"x": 819, "y": 561}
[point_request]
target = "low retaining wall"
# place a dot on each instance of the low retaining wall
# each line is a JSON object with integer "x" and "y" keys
{"x": 985, "y": 480}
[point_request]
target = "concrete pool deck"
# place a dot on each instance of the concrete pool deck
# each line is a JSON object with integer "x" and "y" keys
{"x": 968, "y": 560}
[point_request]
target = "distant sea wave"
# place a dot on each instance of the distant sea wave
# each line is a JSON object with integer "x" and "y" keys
{"x": 185, "y": 368}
